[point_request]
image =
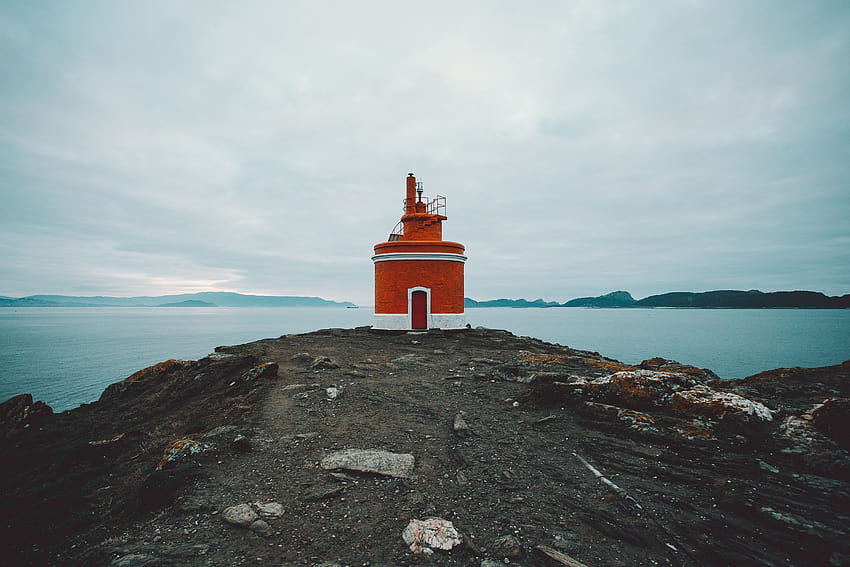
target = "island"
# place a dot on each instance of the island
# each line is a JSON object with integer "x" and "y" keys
{"x": 200, "y": 299}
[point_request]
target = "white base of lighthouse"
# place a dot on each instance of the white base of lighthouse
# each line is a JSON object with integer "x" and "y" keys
{"x": 403, "y": 322}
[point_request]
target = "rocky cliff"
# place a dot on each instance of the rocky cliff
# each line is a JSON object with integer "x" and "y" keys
{"x": 352, "y": 447}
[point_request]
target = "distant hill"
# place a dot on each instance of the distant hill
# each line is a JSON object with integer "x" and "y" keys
{"x": 189, "y": 303}
{"x": 467, "y": 302}
{"x": 721, "y": 299}
{"x": 613, "y": 299}
{"x": 752, "y": 299}
{"x": 210, "y": 298}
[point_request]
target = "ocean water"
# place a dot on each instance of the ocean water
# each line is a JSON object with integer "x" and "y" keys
{"x": 67, "y": 356}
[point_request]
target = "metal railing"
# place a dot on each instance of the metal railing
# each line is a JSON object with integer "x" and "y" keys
{"x": 397, "y": 232}
{"x": 435, "y": 206}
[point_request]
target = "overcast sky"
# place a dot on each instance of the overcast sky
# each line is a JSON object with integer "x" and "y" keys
{"x": 583, "y": 147}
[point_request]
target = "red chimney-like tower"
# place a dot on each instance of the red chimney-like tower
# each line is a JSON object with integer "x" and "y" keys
{"x": 418, "y": 275}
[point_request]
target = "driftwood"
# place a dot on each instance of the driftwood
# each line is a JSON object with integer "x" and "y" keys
{"x": 561, "y": 558}
{"x": 617, "y": 490}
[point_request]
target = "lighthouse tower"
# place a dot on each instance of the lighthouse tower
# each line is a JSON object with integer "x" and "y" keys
{"x": 418, "y": 275}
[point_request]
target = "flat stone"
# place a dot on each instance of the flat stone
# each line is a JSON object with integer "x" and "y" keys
{"x": 269, "y": 509}
{"x": 242, "y": 515}
{"x": 262, "y": 527}
{"x": 399, "y": 465}
{"x": 135, "y": 560}
{"x": 409, "y": 360}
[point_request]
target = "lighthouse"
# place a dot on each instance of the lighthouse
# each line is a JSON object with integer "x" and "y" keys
{"x": 418, "y": 275}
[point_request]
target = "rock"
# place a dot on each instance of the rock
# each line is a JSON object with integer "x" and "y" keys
{"x": 460, "y": 426}
{"x": 664, "y": 365}
{"x": 151, "y": 374}
{"x": 561, "y": 558}
{"x": 409, "y": 360}
{"x": 323, "y": 363}
{"x": 241, "y": 444}
{"x": 491, "y": 563}
{"x": 269, "y": 509}
{"x": 185, "y": 550}
{"x": 20, "y": 412}
{"x": 242, "y": 515}
{"x": 323, "y": 493}
{"x": 506, "y": 546}
{"x": 817, "y": 452}
{"x": 832, "y": 418}
{"x": 222, "y": 431}
{"x": 262, "y": 527}
{"x": 302, "y": 357}
{"x": 333, "y": 392}
{"x": 483, "y": 361}
{"x": 423, "y": 536}
{"x": 135, "y": 560}
{"x": 264, "y": 370}
{"x": 702, "y": 401}
{"x": 181, "y": 448}
{"x": 375, "y": 461}
{"x": 638, "y": 389}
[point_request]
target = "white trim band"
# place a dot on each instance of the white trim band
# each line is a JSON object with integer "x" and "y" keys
{"x": 401, "y": 321}
{"x": 418, "y": 256}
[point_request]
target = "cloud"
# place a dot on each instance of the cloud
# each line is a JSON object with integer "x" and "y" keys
{"x": 159, "y": 148}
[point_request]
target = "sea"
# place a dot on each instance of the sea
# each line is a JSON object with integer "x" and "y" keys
{"x": 67, "y": 356}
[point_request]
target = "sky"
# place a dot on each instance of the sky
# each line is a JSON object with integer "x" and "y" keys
{"x": 150, "y": 148}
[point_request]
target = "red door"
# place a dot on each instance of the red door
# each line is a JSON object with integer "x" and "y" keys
{"x": 419, "y": 305}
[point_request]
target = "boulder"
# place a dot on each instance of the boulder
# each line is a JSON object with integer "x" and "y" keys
{"x": 639, "y": 389}
{"x": 702, "y": 401}
{"x": 376, "y": 461}
{"x": 813, "y": 448}
{"x": 832, "y": 417}
{"x": 181, "y": 448}
{"x": 20, "y": 412}
{"x": 664, "y": 365}
{"x": 242, "y": 515}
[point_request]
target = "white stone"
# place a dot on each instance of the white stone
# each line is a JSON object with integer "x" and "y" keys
{"x": 376, "y": 461}
{"x": 423, "y": 536}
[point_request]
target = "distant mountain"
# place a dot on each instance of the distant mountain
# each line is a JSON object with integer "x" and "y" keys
{"x": 214, "y": 298}
{"x": 189, "y": 303}
{"x": 752, "y": 299}
{"x": 467, "y": 302}
{"x": 721, "y": 299}
{"x": 613, "y": 299}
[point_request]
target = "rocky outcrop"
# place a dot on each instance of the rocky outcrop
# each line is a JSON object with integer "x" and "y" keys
{"x": 20, "y": 412}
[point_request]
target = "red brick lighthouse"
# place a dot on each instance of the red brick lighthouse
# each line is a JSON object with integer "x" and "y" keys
{"x": 418, "y": 275}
